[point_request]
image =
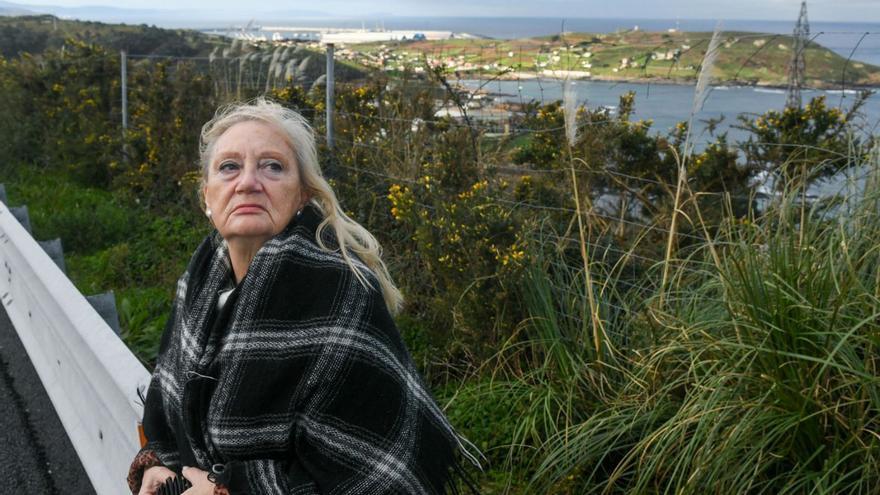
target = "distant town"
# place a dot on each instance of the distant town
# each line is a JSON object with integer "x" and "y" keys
{"x": 325, "y": 35}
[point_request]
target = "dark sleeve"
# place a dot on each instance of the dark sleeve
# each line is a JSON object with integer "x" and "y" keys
{"x": 145, "y": 459}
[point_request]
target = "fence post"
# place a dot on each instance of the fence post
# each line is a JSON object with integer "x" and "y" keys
{"x": 124, "y": 78}
{"x": 331, "y": 99}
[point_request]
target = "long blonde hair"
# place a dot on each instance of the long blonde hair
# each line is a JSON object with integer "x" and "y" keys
{"x": 350, "y": 237}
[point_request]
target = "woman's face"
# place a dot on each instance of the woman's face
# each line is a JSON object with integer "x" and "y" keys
{"x": 253, "y": 186}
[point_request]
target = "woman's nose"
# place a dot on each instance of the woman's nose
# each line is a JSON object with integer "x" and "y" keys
{"x": 249, "y": 179}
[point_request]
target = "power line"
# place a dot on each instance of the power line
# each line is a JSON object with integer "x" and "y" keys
{"x": 846, "y": 65}
{"x": 755, "y": 196}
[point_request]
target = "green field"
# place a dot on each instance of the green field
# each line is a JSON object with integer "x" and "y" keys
{"x": 743, "y": 58}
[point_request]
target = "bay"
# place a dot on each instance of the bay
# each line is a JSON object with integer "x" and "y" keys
{"x": 668, "y": 104}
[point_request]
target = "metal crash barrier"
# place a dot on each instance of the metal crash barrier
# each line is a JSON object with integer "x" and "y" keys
{"x": 91, "y": 377}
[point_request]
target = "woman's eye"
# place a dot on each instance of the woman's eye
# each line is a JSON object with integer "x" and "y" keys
{"x": 228, "y": 167}
{"x": 274, "y": 166}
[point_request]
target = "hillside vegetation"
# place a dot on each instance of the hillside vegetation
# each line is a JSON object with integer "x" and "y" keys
{"x": 744, "y": 58}
{"x": 34, "y": 34}
{"x": 237, "y": 61}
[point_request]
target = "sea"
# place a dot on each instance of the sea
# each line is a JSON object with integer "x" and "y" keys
{"x": 667, "y": 104}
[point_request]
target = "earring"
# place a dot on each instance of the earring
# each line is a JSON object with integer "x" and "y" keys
{"x": 208, "y": 212}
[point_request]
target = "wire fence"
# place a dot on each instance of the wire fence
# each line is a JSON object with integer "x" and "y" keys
{"x": 490, "y": 97}
{"x": 598, "y": 250}
{"x": 504, "y": 119}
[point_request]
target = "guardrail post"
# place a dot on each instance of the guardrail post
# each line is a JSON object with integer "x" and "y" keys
{"x": 55, "y": 251}
{"x": 21, "y": 214}
{"x": 105, "y": 305}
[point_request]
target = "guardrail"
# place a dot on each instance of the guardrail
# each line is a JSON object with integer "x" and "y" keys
{"x": 89, "y": 374}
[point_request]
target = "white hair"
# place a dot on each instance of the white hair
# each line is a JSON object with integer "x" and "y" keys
{"x": 350, "y": 237}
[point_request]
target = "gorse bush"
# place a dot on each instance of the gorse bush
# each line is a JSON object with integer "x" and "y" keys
{"x": 468, "y": 245}
{"x": 168, "y": 105}
{"x": 816, "y": 139}
{"x": 64, "y": 112}
{"x": 60, "y": 110}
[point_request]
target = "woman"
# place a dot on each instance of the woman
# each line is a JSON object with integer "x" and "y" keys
{"x": 280, "y": 370}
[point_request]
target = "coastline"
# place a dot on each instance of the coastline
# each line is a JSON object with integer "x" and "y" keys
{"x": 579, "y": 76}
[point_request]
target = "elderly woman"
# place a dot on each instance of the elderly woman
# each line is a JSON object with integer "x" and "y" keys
{"x": 281, "y": 370}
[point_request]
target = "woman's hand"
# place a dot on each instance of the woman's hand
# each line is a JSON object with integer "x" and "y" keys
{"x": 199, "y": 480}
{"x": 154, "y": 478}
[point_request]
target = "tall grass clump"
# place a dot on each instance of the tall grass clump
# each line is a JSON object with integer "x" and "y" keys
{"x": 552, "y": 372}
{"x": 701, "y": 92}
{"x": 759, "y": 375}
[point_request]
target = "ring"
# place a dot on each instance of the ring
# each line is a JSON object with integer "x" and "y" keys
{"x": 216, "y": 470}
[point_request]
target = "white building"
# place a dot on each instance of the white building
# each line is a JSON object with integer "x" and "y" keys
{"x": 377, "y": 36}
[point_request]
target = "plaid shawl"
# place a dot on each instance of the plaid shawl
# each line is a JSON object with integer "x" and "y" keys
{"x": 300, "y": 384}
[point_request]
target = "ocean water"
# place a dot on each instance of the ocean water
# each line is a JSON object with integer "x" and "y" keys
{"x": 668, "y": 104}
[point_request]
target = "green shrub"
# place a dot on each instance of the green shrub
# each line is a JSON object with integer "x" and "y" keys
{"x": 142, "y": 315}
{"x": 86, "y": 219}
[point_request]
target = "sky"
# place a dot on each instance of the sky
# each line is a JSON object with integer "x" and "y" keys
{"x": 819, "y": 10}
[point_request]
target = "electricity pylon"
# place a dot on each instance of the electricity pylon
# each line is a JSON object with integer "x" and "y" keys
{"x": 798, "y": 66}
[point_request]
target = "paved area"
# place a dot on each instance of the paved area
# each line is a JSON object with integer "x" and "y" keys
{"x": 36, "y": 457}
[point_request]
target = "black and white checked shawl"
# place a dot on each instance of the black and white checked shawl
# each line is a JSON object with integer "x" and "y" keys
{"x": 303, "y": 387}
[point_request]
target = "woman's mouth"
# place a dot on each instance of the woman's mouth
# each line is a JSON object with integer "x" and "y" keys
{"x": 248, "y": 208}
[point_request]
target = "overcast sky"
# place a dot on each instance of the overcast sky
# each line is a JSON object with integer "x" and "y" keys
{"x": 819, "y": 10}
